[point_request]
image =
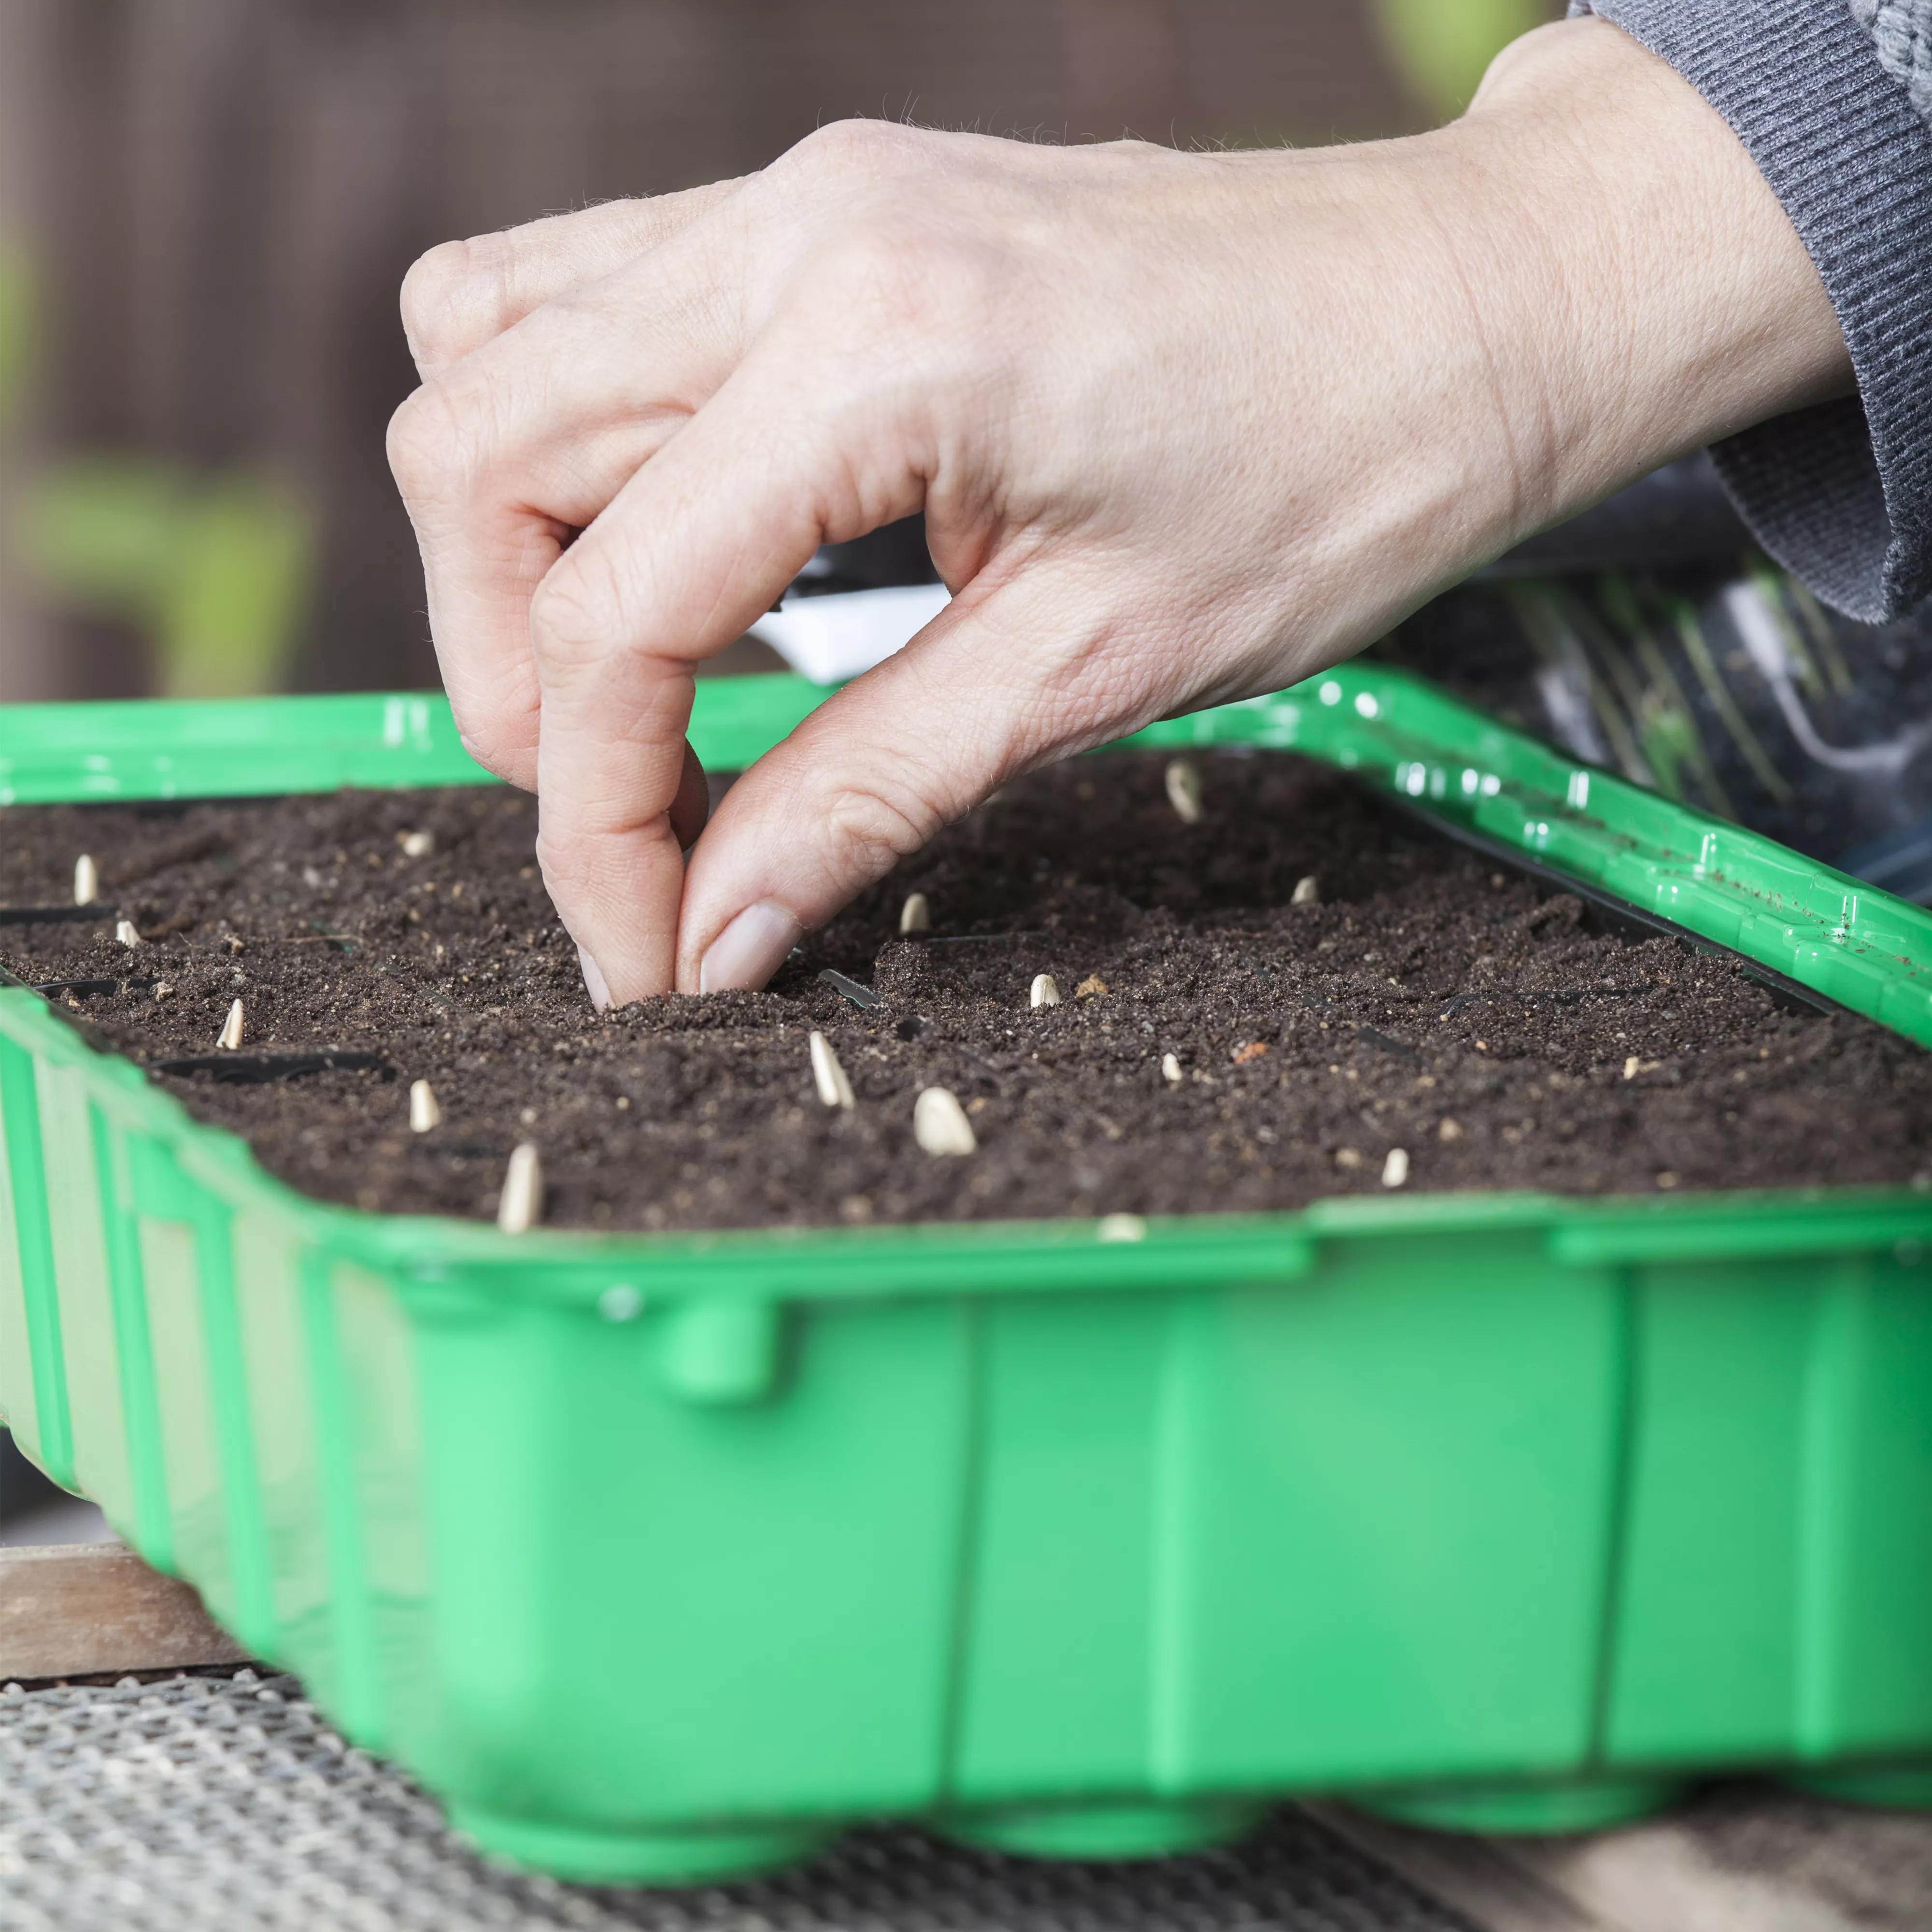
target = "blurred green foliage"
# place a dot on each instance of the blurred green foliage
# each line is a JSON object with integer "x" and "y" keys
{"x": 1441, "y": 47}
{"x": 216, "y": 571}
{"x": 17, "y": 325}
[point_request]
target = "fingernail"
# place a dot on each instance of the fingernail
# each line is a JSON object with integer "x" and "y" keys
{"x": 594, "y": 981}
{"x": 748, "y": 951}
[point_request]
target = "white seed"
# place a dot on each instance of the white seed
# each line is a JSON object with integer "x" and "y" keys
{"x": 425, "y": 1114}
{"x": 915, "y": 916}
{"x": 1395, "y": 1169}
{"x": 1046, "y": 991}
{"x": 163, "y": 990}
{"x": 86, "y": 880}
{"x": 939, "y": 1123}
{"x": 123, "y": 931}
{"x": 1170, "y": 1069}
{"x": 828, "y": 1076}
{"x": 519, "y": 1206}
{"x": 419, "y": 844}
{"x": 231, "y": 1029}
{"x": 1121, "y": 1228}
{"x": 1307, "y": 892}
{"x": 1183, "y": 791}
{"x": 1631, "y": 1066}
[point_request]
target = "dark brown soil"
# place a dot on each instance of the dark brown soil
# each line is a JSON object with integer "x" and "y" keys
{"x": 1427, "y": 1004}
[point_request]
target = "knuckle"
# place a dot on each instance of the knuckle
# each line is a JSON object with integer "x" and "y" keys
{"x": 867, "y": 149}
{"x": 573, "y": 613}
{"x": 425, "y": 443}
{"x": 869, "y": 829}
{"x": 441, "y": 289}
{"x": 418, "y": 443}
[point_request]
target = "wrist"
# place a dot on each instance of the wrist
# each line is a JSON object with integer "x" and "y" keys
{"x": 1635, "y": 282}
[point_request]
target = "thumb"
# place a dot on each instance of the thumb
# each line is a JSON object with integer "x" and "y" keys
{"x": 1001, "y": 681}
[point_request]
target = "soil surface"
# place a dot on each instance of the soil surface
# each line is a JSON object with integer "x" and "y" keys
{"x": 1427, "y": 1004}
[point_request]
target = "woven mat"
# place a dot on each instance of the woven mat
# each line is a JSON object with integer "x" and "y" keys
{"x": 227, "y": 1804}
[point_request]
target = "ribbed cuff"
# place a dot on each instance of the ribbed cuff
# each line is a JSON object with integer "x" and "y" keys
{"x": 1840, "y": 494}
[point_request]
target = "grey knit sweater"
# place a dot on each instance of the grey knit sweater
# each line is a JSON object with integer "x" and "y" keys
{"x": 1833, "y": 100}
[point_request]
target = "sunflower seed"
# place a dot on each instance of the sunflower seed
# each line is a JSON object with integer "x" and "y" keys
{"x": 1183, "y": 791}
{"x": 915, "y": 916}
{"x": 231, "y": 1029}
{"x": 1046, "y": 991}
{"x": 1395, "y": 1169}
{"x": 939, "y": 1123}
{"x": 520, "y": 1206}
{"x": 1307, "y": 892}
{"x": 828, "y": 1076}
{"x": 86, "y": 880}
{"x": 417, "y": 845}
{"x": 425, "y": 1114}
{"x": 125, "y": 932}
{"x": 1170, "y": 1069}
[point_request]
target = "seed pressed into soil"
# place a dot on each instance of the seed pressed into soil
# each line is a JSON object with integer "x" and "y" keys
{"x": 1225, "y": 1048}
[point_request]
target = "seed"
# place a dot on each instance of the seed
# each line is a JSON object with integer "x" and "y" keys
{"x": 1183, "y": 791}
{"x": 1307, "y": 892}
{"x": 1347, "y": 1157}
{"x": 163, "y": 991}
{"x": 1450, "y": 1130}
{"x": 1666, "y": 1179}
{"x": 1091, "y": 988}
{"x": 231, "y": 1028}
{"x": 1170, "y": 1069}
{"x": 1046, "y": 991}
{"x": 417, "y": 845}
{"x": 86, "y": 880}
{"x": 939, "y": 1123}
{"x": 1395, "y": 1169}
{"x": 520, "y": 1206}
{"x": 915, "y": 916}
{"x": 1121, "y": 1228}
{"x": 1630, "y": 1066}
{"x": 828, "y": 1076}
{"x": 125, "y": 932}
{"x": 425, "y": 1114}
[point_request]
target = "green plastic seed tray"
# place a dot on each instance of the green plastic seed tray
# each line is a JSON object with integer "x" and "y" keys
{"x": 660, "y": 1557}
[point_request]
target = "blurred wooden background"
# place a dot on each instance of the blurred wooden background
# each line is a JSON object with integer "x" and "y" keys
{"x": 215, "y": 200}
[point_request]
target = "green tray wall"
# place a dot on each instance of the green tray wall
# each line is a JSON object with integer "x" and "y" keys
{"x": 1491, "y": 1509}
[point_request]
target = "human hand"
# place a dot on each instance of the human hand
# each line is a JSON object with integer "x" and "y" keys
{"x": 1185, "y": 428}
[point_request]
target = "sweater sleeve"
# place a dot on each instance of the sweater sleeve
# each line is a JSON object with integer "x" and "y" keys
{"x": 1840, "y": 494}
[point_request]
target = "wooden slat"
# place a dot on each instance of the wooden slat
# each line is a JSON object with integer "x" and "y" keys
{"x": 76, "y": 1610}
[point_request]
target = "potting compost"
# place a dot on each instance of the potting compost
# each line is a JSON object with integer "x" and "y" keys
{"x": 1414, "y": 1018}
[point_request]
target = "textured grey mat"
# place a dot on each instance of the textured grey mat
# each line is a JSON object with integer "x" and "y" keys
{"x": 227, "y": 1804}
